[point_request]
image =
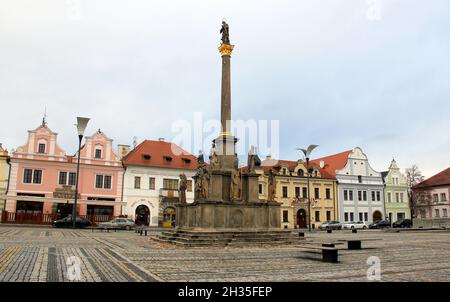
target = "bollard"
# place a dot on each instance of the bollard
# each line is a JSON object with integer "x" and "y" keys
{"x": 145, "y": 232}
{"x": 329, "y": 231}
{"x": 354, "y": 231}
{"x": 140, "y": 232}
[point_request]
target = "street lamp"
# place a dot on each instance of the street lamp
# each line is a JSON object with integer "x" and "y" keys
{"x": 81, "y": 126}
{"x": 307, "y": 154}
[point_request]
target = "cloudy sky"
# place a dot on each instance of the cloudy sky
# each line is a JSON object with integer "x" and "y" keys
{"x": 337, "y": 73}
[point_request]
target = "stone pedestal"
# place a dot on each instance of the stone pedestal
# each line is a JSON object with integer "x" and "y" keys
{"x": 223, "y": 216}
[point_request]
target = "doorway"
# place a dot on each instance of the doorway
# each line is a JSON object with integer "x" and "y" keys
{"x": 169, "y": 217}
{"x": 301, "y": 218}
{"x": 142, "y": 215}
{"x": 376, "y": 216}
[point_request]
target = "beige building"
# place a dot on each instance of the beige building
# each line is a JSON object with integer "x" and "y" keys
{"x": 4, "y": 173}
{"x": 291, "y": 191}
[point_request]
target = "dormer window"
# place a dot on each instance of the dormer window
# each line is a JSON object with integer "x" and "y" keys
{"x": 98, "y": 153}
{"x": 41, "y": 148}
{"x": 167, "y": 158}
{"x": 186, "y": 160}
{"x": 300, "y": 172}
{"x": 146, "y": 156}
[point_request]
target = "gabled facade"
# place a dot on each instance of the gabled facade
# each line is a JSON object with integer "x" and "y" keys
{"x": 4, "y": 174}
{"x": 434, "y": 202}
{"x": 151, "y": 183}
{"x": 395, "y": 194}
{"x": 291, "y": 192}
{"x": 360, "y": 188}
{"x": 42, "y": 179}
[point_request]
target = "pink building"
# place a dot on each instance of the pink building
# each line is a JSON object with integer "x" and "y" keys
{"x": 433, "y": 197}
{"x": 42, "y": 179}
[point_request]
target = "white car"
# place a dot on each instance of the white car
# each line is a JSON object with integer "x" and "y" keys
{"x": 355, "y": 225}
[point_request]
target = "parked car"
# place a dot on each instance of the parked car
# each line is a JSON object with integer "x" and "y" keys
{"x": 118, "y": 223}
{"x": 355, "y": 225}
{"x": 380, "y": 225}
{"x": 67, "y": 222}
{"x": 331, "y": 225}
{"x": 403, "y": 223}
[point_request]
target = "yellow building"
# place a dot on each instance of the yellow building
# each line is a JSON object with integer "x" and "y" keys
{"x": 291, "y": 191}
{"x": 4, "y": 172}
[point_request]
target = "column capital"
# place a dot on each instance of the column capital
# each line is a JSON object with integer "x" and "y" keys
{"x": 225, "y": 49}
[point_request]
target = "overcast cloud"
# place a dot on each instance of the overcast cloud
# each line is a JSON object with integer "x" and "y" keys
{"x": 330, "y": 73}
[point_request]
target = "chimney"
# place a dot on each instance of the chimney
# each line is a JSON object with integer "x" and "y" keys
{"x": 123, "y": 150}
{"x": 161, "y": 139}
{"x": 269, "y": 156}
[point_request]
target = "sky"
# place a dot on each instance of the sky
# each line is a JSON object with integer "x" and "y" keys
{"x": 336, "y": 73}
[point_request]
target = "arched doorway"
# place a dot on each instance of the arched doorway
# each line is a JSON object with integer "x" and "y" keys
{"x": 301, "y": 218}
{"x": 142, "y": 216}
{"x": 376, "y": 216}
{"x": 169, "y": 217}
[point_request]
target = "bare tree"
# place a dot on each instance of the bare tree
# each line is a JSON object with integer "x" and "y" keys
{"x": 415, "y": 197}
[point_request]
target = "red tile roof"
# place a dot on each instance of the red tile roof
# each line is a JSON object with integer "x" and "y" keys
{"x": 333, "y": 162}
{"x": 440, "y": 179}
{"x": 152, "y": 153}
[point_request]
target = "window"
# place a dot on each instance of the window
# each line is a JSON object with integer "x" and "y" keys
{"x": 189, "y": 186}
{"x": 32, "y": 176}
{"x": 373, "y": 195}
{"x": 444, "y": 212}
{"x": 360, "y": 216}
{"x": 397, "y": 197}
{"x": 359, "y": 195}
{"x": 285, "y": 192}
{"x": 379, "y": 195}
{"x": 435, "y": 197}
{"x": 103, "y": 181}
{"x": 350, "y": 195}
{"x": 41, "y": 148}
{"x": 328, "y": 215}
{"x": 300, "y": 172}
{"x": 366, "y": 216}
{"x": 305, "y": 192}
{"x": 67, "y": 178}
{"x": 316, "y": 193}
{"x": 260, "y": 188}
{"x": 285, "y": 216}
{"x": 328, "y": 193}
{"x": 352, "y": 216}
{"x": 389, "y": 197}
{"x": 151, "y": 183}
{"x": 137, "y": 182}
{"x": 359, "y": 179}
{"x": 401, "y": 197}
{"x": 365, "y": 195}
{"x": 170, "y": 184}
{"x": 443, "y": 197}
{"x": 436, "y": 213}
{"x": 62, "y": 178}
{"x": 98, "y": 153}
{"x": 317, "y": 216}
{"x": 345, "y": 195}
{"x": 27, "y": 176}
{"x": 346, "y": 216}
{"x": 146, "y": 156}
{"x": 297, "y": 192}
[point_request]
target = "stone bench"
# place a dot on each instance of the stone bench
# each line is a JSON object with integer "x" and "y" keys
{"x": 329, "y": 254}
{"x": 355, "y": 244}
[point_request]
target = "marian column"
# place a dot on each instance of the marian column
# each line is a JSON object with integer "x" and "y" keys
{"x": 225, "y": 143}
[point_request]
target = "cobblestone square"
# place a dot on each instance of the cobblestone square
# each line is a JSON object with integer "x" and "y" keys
{"x": 44, "y": 255}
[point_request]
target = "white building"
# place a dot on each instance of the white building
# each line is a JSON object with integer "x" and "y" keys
{"x": 152, "y": 173}
{"x": 360, "y": 188}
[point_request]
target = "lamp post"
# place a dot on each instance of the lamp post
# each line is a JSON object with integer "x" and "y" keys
{"x": 307, "y": 153}
{"x": 81, "y": 126}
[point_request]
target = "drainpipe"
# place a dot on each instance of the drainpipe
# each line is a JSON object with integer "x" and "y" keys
{"x": 123, "y": 185}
